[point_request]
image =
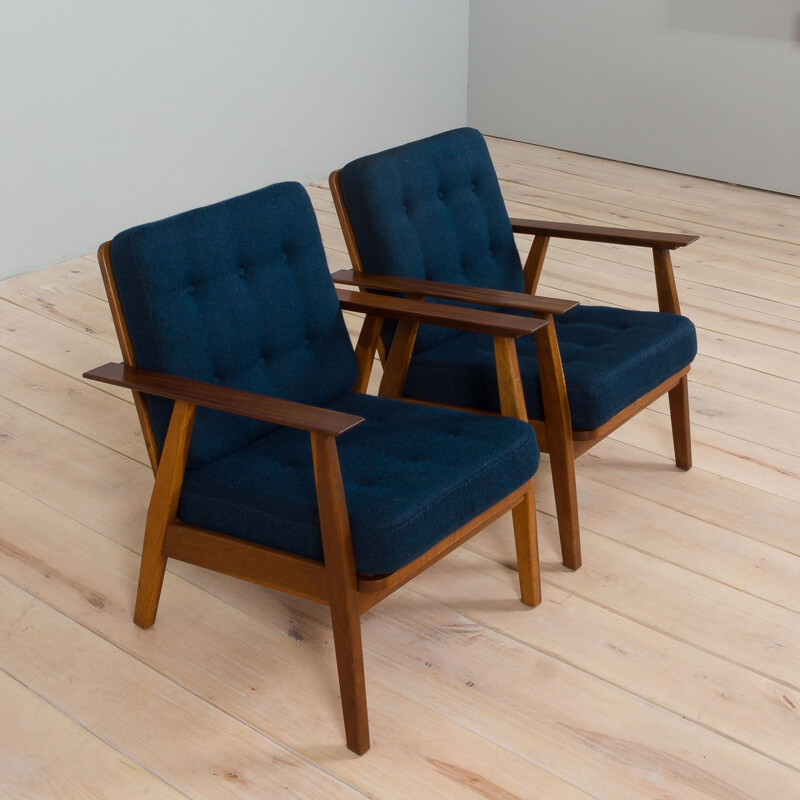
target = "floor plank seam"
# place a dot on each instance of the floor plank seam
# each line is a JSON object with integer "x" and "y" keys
{"x": 76, "y": 432}
{"x": 64, "y": 713}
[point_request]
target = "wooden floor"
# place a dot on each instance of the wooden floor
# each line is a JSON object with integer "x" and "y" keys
{"x": 667, "y": 667}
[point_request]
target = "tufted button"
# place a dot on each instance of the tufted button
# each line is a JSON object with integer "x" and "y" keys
{"x": 306, "y": 343}
{"x": 242, "y": 272}
{"x": 262, "y": 362}
{"x": 472, "y": 186}
{"x": 441, "y": 194}
{"x": 190, "y": 289}
{"x": 284, "y": 255}
{"x": 405, "y": 208}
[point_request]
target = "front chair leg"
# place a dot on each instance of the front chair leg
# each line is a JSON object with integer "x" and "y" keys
{"x": 163, "y": 509}
{"x": 512, "y": 404}
{"x": 346, "y": 621}
{"x": 342, "y": 591}
{"x": 524, "y": 517}
{"x": 679, "y": 416}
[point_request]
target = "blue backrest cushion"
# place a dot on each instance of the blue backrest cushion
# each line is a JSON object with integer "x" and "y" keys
{"x": 433, "y": 209}
{"x": 238, "y": 294}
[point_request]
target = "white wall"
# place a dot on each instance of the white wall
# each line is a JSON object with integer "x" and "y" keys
{"x": 704, "y": 87}
{"x": 115, "y": 112}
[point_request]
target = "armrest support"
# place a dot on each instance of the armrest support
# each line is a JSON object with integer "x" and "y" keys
{"x": 593, "y": 233}
{"x": 466, "y": 319}
{"x": 222, "y": 398}
{"x": 454, "y": 291}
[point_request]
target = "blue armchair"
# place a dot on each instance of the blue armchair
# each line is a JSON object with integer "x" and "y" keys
{"x": 427, "y": 219}
{"x": 267, "y": 466}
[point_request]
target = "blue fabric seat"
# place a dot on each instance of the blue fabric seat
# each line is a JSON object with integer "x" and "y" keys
{"x": 433, "y": 209}
{"x": 611, "y": 357}
{"x": 239, "y": 294}
{"x": 412, "y": 474}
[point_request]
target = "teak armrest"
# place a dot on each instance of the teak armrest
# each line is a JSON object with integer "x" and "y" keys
{"x": 418, "y": 311}
{"x": 454, "y": 291}
{"x": 222, "y": 398}
{"x": 593, "y": 233}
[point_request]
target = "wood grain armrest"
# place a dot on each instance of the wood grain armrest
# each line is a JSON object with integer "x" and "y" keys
{"x": 592, "y": 233}
{"x": 446, "y": 316}
{"x": 454, "y": 291}
{"x": 222, "y": 398}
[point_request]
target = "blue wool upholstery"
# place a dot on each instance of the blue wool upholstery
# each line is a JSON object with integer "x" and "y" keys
{"x": 412, "y": 475}
{"x": 239, "y": 294}
{"x": 611, "y": 357}
{"x": 433, "y": 209}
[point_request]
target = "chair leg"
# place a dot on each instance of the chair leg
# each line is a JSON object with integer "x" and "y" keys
{"x": 558, "y": 424}
{"x": 524, "y": 517}
{"x": 562, "y": 467}
{"x": 151, "y": 577}
{"x": 340, "y": 567}
{"x": 346, "y": 620}
{"x": 162, "y": 510}
{"x": 681, "y": 431}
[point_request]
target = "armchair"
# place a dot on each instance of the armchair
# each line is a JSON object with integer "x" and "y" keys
{"x": 427, "y": 219}
{"x": 267, "y": 466}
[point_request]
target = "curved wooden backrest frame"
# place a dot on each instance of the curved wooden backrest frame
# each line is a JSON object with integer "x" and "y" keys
{"x": 126, "y": 346}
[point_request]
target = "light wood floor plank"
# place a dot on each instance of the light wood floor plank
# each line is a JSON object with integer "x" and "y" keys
{"x": 44, "y": 754}
{"x": 756, "y": 635}
{"x": 652, "y": 182}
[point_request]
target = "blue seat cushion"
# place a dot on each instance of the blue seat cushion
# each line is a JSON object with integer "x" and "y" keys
{"x": 611, "y": 357}
{"x": 412, "y": 475}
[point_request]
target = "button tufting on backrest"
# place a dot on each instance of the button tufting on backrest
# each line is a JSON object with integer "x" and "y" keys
{"x": 429, "y": 243}
{"x": 241, "y": 314}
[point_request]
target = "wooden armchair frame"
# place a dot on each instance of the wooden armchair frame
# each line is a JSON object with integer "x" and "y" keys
{"x": 554, "y": 433}
{"x": 333, "y": 582}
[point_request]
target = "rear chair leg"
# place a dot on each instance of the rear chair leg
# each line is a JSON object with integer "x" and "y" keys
{"x": 562, "y": 467}
{"x": 558, "y": 424}
{"x": 524, "y": 517}
{"x": 681, "y": 432}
